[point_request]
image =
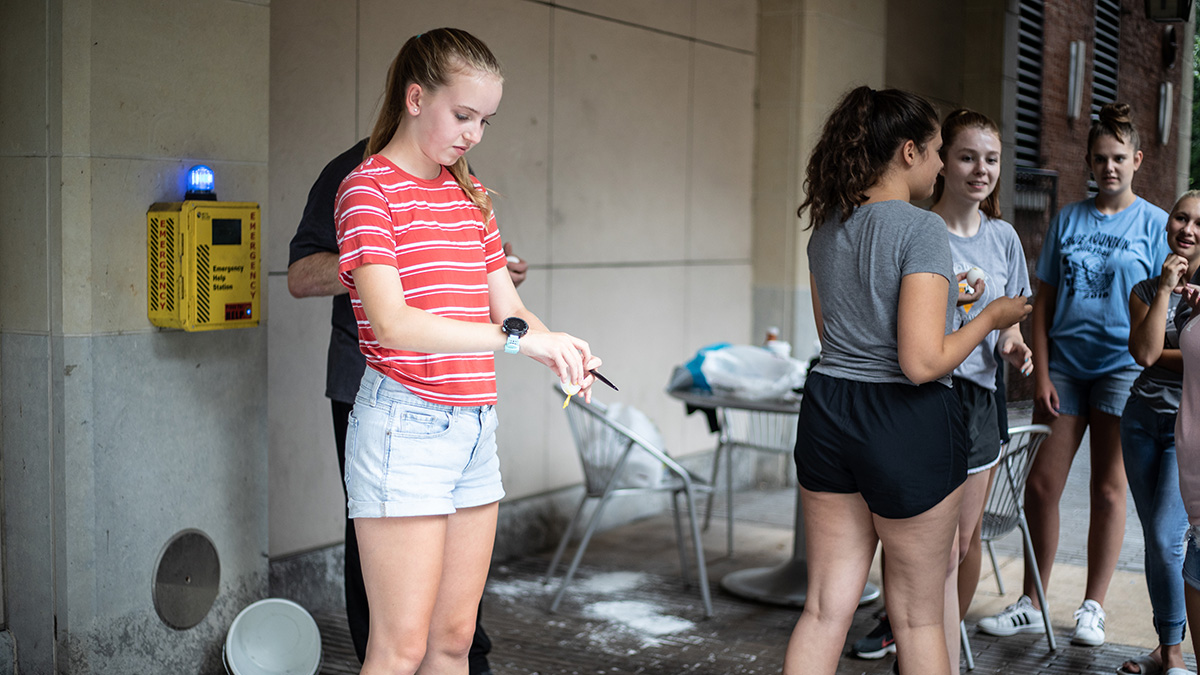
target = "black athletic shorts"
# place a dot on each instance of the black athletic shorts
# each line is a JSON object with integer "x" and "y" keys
{"x": 903, "y": 447}
{"x": 979, "y": 416}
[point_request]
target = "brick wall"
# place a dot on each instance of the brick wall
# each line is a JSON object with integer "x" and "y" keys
{"x": 1063, "y": 143}
{"x": 1139, "y": 74}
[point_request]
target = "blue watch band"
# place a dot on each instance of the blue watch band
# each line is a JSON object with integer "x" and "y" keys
{"x": 511, "y": 346}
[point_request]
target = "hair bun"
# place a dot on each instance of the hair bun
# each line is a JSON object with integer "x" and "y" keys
{"x": 1115, "y": 113}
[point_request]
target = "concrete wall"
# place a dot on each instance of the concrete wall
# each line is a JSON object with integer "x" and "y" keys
{"x": 797, "y": 84}
{"x": 622, "y": 153}
{"x": 928, "y": 47}
{"x": 117, "y": 435}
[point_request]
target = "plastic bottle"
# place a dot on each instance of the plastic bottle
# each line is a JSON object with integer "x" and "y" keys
{"x": 775, "y": 345}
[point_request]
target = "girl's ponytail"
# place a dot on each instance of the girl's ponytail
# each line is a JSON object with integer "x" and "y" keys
{"x": 479, "y": 196}
{"x": 430, "y": 59}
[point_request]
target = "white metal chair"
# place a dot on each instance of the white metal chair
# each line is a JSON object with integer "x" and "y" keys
{"x": 604, "y": 446}
{"x": 770, "y": 432}
{"x": 1005, "y": 510}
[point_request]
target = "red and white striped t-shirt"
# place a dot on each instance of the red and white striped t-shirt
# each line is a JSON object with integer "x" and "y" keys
{"x": 436, "y": 239}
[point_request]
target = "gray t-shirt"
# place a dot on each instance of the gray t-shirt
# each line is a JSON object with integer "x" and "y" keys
{"x": 1160, "y": 387}
{"x": 995, "y": 249}
{"x": 858, "y": 266}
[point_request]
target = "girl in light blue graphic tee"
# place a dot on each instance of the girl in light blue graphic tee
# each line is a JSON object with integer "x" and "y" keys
{"x": 1094, "y": 253}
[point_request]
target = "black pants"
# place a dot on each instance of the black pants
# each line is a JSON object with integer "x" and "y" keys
{"x": 357, "y": 613}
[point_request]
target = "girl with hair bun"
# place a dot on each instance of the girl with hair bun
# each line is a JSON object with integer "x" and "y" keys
{"x": 1093, "y": 254}
{"x": 880, "y": 449}
{"x": 422, "y": 258}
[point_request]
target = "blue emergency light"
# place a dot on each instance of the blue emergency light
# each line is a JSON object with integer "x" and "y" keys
{"x": 201, "y": 184}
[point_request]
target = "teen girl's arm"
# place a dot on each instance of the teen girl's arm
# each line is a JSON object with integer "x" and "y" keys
{"x": 816, "y": 303}
{"x": 1014, "y": 350}
{"x": 1146, "y": 322}
{"x": 925, "y": 351}
{"x": 1045, "y": 396}
{"x": 541, "y": 344}
{"x": 398, "y": 326}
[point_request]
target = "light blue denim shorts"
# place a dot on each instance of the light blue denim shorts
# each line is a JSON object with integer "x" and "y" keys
{"x": 1106, "y": 393}
{"x": 1191, "y": 559}
{"x": 406, "y": 456}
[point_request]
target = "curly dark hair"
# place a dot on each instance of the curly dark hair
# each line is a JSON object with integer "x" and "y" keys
{"x": 857, "y": 144}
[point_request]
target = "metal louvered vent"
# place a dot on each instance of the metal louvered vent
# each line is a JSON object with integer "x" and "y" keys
{"x": 1105, "y": 53}
{"x": 1029, "y": 83}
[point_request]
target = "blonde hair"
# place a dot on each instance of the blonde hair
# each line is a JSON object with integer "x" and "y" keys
{"x": 1190, "y": 194}
{"x": 430, "y": 60}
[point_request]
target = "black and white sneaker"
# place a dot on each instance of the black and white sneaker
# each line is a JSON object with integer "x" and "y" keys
{"x": 878, "y": 643}
{"x": 1019, "y": 617}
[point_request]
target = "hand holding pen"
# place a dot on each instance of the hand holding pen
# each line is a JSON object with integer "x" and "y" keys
{"x": 572, "y": 389}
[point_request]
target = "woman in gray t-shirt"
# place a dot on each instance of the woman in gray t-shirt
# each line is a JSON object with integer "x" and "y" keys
{"x": 880, "y": 450}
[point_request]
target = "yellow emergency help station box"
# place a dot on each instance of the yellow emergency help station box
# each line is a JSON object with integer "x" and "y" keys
{"x": 203, "y": 262}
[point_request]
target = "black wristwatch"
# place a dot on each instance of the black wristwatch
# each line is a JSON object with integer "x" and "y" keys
{"x": 514, "y": 327}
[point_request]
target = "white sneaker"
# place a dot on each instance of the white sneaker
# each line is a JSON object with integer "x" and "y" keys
{"x": 1089, "y": 625}
{"x": 1019, "y": 617}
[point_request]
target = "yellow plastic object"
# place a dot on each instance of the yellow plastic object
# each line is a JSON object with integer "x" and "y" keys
{"x": 570, "y": 390}
{"x": 203, "y": 264}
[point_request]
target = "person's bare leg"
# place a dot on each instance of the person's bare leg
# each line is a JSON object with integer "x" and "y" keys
{"x": 840, "y": 544}
{"x": 1172, "y": 656}
{"x": 918, "y": 551}
{"x": 402, "y": 567}
{"x": 1044, "y": 489}
{"x": 1191, "y": 598}
{"x": 950, "y": 624}
{"x": 1106, "y": 521}
{"x": 970, "y": 547}
{"x": 470, "y": 535}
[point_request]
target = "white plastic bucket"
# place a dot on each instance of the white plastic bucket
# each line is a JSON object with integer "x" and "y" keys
{"x": 273, "y": 637}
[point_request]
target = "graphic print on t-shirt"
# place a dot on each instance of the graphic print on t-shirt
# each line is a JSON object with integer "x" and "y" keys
{"x": 1087, "y": 264}
{"x": 966, "y": 312}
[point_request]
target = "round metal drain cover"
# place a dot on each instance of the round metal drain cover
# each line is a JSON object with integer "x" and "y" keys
{"x": 186, "y": 579}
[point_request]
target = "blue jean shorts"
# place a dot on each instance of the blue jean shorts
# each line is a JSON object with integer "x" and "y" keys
{"x": 1191, "y": 559}
{"x": 1107, "y": 393}
{"x": 406, "y": 456}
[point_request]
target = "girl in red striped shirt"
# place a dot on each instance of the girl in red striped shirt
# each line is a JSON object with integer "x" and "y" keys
{"x": 423, "y": 260}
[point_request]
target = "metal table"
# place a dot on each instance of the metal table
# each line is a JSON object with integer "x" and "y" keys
{"x": 786, "y": 583}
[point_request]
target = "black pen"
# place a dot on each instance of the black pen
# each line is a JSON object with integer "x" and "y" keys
{"x": 603, "y": 379}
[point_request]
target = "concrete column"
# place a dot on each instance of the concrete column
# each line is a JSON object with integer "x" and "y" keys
{"x": 114, "y": 435}
{"x": 810, "y": 52}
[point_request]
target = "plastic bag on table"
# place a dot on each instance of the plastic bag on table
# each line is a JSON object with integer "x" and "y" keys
{"x": 750, "y": 372}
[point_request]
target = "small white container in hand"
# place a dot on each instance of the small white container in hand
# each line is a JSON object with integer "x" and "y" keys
{"x": 973, "y": 276}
